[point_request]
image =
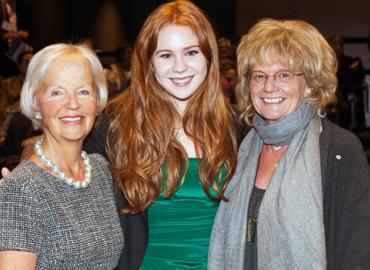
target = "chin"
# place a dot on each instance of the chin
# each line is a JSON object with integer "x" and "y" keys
{"x": 75, "y": 138}
{"x": 272, "y": 119}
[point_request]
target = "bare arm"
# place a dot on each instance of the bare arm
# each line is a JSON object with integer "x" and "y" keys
{"x": 14, "y": 260}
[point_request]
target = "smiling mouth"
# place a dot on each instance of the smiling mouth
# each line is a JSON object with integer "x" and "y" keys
{"x": 272, "y": 100}
{"x": 71, "y": 119}
{"x": 181, "y": 82}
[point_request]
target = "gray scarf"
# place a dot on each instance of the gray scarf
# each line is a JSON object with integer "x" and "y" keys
{"x": 282, "y": 131}
{"x": 290, "y": 228}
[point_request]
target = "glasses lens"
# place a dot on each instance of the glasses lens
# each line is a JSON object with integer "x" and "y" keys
{"x": 284, "y": 76}
{"x": 258, "y": 77}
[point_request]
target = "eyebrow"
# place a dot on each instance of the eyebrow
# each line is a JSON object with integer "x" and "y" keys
{"x": 185, "y": 49}
{"x": 62, "y": 87}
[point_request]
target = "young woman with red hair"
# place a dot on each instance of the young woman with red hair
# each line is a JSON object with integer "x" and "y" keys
{"x": 170, "y": 141}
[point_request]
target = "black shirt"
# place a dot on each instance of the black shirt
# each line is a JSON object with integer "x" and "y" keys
{"x": 251, "y": 241}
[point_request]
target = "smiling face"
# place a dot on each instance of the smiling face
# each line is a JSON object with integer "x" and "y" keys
{"x": 67, "y": 100}
{"x": 179, "y": 65}
{"x": 274, "y": 100}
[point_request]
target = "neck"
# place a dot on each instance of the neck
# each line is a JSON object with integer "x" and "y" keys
{"x": 66, "y": 156}
{"x": 180, "y": 106}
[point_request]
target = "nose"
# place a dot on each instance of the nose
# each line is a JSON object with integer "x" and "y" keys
{"x": 180, "y": 64}
{"x": 270, "y": 84}
{"x": 72, "y": 102}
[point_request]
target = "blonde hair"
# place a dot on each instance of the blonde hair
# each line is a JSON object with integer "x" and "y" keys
{"x": 41, "y": 62}
{"x": 295, "y": 44}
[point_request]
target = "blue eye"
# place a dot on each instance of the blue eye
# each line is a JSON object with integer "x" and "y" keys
{"x": 84, "y": 92}
{"x": 56, "y": 92}
{"x": 165, "y": 55}
{"x": 192, "y": 52}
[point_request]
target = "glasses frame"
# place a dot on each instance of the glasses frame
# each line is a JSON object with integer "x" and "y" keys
{"x": 249, "y": 77}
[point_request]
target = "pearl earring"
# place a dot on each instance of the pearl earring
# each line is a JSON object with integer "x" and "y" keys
{"x": 38, "y": 116}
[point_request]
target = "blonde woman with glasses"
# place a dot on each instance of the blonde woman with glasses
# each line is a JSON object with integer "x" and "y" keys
{"x": 300, "y": 197}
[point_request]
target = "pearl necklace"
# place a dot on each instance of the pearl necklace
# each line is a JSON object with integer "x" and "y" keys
{"x": 61, "y": 175}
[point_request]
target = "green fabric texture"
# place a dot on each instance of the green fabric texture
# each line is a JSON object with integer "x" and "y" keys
{"x": 180, "y": 226}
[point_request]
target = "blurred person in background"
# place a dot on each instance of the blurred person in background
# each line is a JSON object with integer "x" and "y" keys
{"x": 14, "y": 126}
{"x": 350, "y": 75}
{"x": 10, "y": 38}
{"x": 10, "y": 88}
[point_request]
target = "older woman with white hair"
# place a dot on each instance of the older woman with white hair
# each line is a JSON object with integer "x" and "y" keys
{"x": 57, "y": 209}
{"x": 300, "y": 197}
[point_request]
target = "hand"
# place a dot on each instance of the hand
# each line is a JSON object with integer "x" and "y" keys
{"x": 5, "y": 172}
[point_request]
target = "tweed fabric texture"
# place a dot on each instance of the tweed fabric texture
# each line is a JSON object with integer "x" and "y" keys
{"x": 66, "y": 227}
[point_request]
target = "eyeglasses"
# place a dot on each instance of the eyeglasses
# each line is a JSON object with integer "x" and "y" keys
{"x": 282, "y": 77}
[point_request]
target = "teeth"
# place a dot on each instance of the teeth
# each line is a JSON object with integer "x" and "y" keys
{"x": 272, "y": 100}
{"x": 71, "y": 118}
{"x": 181, "y": 81}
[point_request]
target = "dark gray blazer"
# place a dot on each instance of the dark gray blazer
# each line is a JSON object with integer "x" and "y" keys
{"x": 135, "y": 227}
{"x": 346, "y": 186}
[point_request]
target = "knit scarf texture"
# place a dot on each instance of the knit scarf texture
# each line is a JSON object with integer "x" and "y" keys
{"x": 290, "y": 227}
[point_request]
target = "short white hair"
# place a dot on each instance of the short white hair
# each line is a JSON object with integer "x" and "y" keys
{"x": 40, "y": 63}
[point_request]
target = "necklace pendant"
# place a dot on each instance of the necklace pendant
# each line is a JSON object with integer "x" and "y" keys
{"x": 251, "y": 229}
{"x": 276, "y": 147}
{"x": 272, "y": 149}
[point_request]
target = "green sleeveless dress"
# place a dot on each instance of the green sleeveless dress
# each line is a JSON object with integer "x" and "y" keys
{"x": 180, "y": 227}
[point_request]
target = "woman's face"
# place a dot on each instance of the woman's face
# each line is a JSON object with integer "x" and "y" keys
{"x": 67, "y": 100}
{"x": 274, "y": 97}
{"x": 179, "y": 65}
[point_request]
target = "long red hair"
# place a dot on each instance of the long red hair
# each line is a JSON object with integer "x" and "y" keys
{"x": 140, "y": 141}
